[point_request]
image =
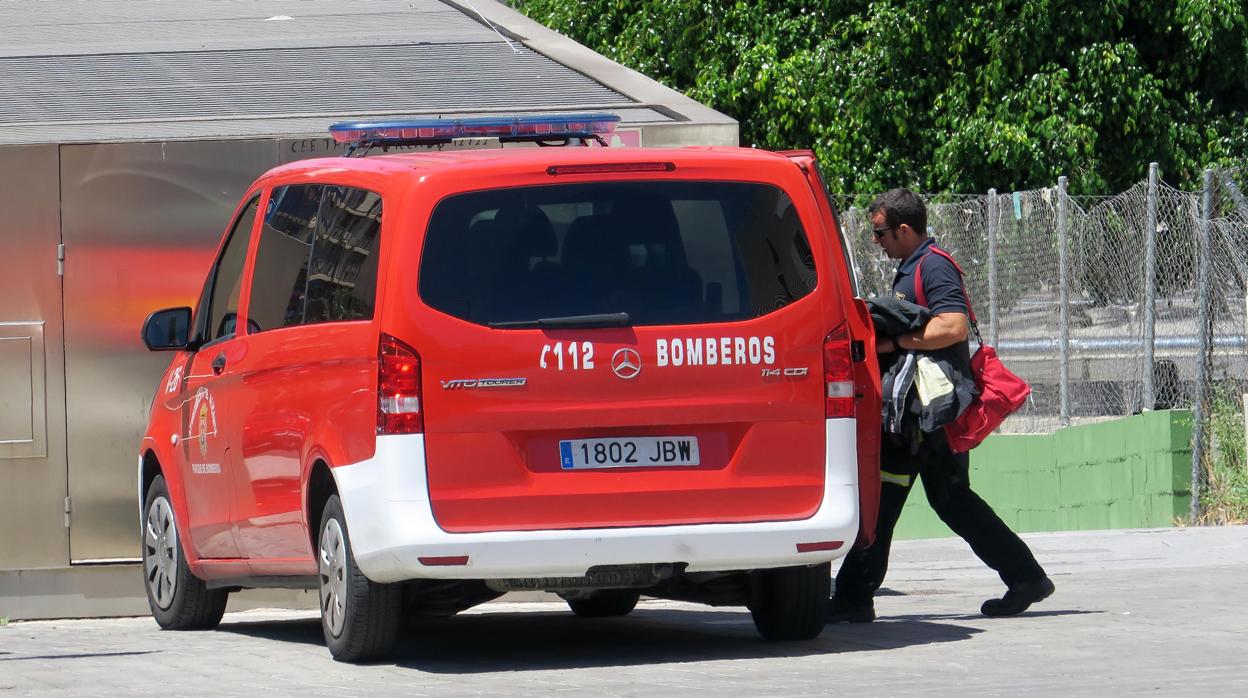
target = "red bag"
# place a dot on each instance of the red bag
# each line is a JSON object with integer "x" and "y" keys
{"x": 1001, "y": 392}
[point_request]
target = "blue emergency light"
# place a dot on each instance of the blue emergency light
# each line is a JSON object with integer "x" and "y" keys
{"x": 538, "y": 128}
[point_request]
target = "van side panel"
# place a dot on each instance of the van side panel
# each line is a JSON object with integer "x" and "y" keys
{"x": 301, "y": 388}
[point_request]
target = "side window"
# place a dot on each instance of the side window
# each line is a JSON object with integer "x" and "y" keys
{"x": 227, "y": 280}
{"x": 281, "y": 272}
{"x": 317, "y": 260}
{"x": 342, "y": 278}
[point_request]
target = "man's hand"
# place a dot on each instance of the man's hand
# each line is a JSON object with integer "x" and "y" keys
{"x": 885, "y": 345}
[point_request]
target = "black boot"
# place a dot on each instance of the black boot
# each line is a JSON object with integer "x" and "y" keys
{"x": 840, "y": 611}
{"x": 1018, "y": 598}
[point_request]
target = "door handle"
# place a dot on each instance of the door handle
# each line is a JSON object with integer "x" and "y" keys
{"x": 218, "y": 363}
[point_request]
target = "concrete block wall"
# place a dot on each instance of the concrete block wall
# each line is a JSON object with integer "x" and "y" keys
{"x": 1127, "y": 473}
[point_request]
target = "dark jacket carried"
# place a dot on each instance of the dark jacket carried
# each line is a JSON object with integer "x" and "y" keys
{"x": 924, "y": 386}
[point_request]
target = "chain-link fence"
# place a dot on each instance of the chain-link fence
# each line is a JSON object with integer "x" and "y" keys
{"x": 1106, "y": 305}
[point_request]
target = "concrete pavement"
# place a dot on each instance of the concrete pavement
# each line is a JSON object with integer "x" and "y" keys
{"x": 1135, "y": 611}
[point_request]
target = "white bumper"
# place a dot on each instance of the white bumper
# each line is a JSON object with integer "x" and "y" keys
{"x": 391, "y": 525}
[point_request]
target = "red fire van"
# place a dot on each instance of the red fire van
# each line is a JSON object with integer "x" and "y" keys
{"x": 417, "y": 381}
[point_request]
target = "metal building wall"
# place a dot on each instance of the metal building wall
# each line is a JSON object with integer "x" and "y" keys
{"x": 140, "y": 222}
{"x": 32, "y": 378}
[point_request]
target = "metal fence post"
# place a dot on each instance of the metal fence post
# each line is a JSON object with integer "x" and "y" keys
{"x": 1201, "y": 406}
{"x": 1063, "y": 310}
{"x": 1241, "y": 204}
{"x": 1150, "y": 287}
{"x": 994, "y": 210}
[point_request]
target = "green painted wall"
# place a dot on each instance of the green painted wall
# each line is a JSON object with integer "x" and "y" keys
{"x": 1129, "y": 473}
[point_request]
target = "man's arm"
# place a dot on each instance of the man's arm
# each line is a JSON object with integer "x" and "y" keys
{"x": 943, "y": 330}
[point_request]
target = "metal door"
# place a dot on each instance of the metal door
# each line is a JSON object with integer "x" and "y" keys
{"x": 32, "y": 414}
{"x": 140, "y": 223}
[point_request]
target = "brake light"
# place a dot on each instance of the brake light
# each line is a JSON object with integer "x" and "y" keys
{"x": 398, "y": 388}
{"x": 838, "y": 373}
{"x": 610, "y": 168}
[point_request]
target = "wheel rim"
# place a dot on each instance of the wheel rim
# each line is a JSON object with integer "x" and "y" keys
{"x": 160, "y": 552}
{"x": 332, "y": 565}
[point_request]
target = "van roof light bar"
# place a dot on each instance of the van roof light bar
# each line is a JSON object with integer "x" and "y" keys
{"x": 543, "y": 129}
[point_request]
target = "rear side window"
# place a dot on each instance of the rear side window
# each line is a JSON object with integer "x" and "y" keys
{"x": 663, "y": 252}
{"x": 317, "y": 260}
{"x": 342, "y": 276}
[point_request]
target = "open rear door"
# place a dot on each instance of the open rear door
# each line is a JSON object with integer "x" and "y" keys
{"x": 866, "y": 368}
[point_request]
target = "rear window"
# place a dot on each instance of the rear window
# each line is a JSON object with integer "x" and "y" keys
{"x": 663, "y": 252}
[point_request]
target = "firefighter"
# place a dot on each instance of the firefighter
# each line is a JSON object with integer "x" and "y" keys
{"x": 899, "y": 227}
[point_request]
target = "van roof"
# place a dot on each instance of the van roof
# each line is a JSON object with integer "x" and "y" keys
{"x": 501, "y": 159}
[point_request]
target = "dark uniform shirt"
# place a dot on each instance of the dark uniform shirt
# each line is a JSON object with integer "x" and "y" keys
{"x": 941, "y": 282}
{"x": 942, "y": 285}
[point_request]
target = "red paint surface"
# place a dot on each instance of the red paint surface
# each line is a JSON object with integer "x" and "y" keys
{"x": 289, "y": 397}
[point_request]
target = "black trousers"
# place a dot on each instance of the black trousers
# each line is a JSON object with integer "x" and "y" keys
{"x": 946, "y": 479}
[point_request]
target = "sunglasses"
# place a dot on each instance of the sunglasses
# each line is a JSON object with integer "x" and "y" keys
{"x": 881, "y": 232}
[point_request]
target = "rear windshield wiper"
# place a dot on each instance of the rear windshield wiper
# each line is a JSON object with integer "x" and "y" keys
{"x": 599, "y": 320}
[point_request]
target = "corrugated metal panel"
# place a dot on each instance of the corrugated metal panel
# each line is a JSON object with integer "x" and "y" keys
{"x": 82, "y": 71}
{"x": 309, "y": 81}
{"x": 40, "y": 28}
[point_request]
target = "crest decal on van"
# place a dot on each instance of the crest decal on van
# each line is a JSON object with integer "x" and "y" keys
{"x": 203, "y": 420}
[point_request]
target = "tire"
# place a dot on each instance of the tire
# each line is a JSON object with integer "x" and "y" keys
{"x": 605, "y": 604}
{"x": 360, "y": 618}
{"x": 791, "y": 603}
{"x": 179, "y": 600}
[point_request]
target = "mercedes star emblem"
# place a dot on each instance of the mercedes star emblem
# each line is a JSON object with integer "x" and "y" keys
{"x": 626, "y": 363}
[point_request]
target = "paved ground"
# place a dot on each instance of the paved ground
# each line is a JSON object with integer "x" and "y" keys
{"x": 1135, "y": 612}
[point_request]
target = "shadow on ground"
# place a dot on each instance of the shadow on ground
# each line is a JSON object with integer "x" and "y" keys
{"x": 539, "y": 641}
{"x": 1002, "y": 619}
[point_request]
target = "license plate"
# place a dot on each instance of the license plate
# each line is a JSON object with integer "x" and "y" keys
{"x": 631, "y": 452}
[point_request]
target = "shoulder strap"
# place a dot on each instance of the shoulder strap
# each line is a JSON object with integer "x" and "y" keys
{"x": 921, "y": 296}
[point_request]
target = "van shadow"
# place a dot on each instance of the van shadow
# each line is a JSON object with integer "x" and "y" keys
{"x": 926, "y": 617}
{"x": 540, "y": 640}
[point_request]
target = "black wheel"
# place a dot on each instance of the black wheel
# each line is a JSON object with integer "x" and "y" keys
{"x": 605, "y": 603}
{"x": 791, "y": 603}
{"x": 359, "y": 616}
{"x": 179, "y": 600}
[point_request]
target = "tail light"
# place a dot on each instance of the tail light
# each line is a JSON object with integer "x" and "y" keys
{"x": 398, "y": 388}
{"x": 838, "y": 373}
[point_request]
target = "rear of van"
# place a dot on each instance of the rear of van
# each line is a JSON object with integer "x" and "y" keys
{"x": 609, "y": 366}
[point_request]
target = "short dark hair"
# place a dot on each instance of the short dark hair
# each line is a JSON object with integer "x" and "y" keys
{"x": 901, "y": 207}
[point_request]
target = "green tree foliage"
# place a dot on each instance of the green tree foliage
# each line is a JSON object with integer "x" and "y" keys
{"x": 950, "y": 96}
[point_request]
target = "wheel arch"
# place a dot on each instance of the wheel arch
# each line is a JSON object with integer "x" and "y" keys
{"x": 152, "y": 463}
{"x": 149, "y": 469}
{"x": 320, "y": 487}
